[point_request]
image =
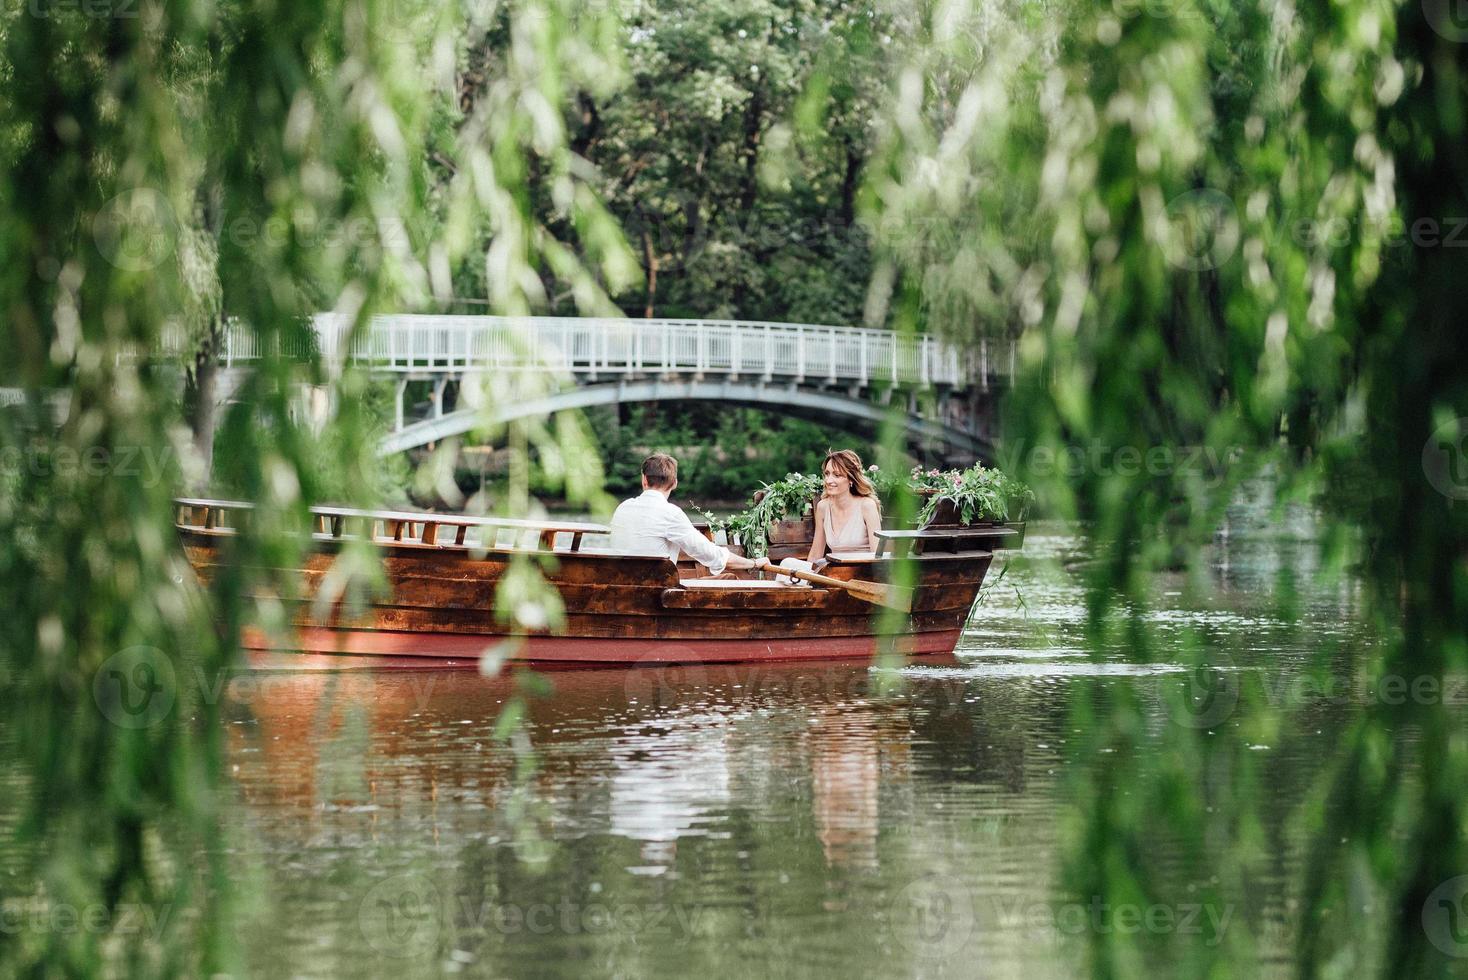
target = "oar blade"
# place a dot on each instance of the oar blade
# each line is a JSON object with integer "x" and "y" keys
{"x": 890, "y": 596}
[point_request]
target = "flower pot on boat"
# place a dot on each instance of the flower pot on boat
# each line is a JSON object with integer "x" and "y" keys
{"x": 948, "y": 515}
{"x": 790, "y": 537}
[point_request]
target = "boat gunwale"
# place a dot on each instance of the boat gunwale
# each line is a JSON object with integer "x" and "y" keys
{"x": 413, "y": 517}
{"x": 485, "y": 552}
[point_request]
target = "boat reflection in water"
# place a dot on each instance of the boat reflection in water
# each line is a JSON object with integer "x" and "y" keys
{"x": 707, "y": 807}
{"x": 652, "y": 755}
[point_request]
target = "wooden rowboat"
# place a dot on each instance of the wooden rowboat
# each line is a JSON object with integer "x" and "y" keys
{"x": 443, "y": 571}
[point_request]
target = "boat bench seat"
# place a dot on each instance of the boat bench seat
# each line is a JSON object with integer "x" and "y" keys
{"x": 733, "y": 583}
{"x": 916, "y": 542}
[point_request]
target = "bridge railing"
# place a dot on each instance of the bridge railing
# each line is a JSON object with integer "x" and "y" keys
{"x": 237, "y": 343}
{"x": 612, "y": 346}
{"x": 616, "y": 346}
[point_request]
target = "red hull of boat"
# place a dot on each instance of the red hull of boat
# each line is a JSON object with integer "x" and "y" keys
{"x": 619, "y": 610}
{"x": 387, "y": 648}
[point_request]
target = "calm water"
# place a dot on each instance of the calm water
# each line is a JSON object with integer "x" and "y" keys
{"x": 780, "y": 820}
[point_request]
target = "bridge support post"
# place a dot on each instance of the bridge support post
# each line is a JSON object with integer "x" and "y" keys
{"x": 398, "y": 394}
{"x": 317, "y": 405}
{"x": 439, "y": 385}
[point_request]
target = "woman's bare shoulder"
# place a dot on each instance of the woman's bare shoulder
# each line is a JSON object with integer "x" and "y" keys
{"x": 870, "y": 508}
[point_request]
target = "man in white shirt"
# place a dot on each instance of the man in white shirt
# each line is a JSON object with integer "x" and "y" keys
{"x": 650, "y": 525}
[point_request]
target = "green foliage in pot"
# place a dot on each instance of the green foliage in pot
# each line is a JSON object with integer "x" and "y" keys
{"x": 742, "y": 529}
{"x": 773, "y": 502}
{"x": 791, "y": 496}
{"x": 978, "y": 493}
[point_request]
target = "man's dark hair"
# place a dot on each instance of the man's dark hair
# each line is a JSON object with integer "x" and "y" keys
{"x": 661, "y": 470}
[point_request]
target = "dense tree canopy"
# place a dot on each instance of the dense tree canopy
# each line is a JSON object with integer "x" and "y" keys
{"x": 732, "y": 156}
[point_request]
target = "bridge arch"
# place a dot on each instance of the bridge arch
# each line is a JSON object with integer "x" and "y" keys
{"x": 792, "y": 400}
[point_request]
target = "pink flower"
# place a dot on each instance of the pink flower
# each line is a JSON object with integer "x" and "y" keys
{"x": 872, "y": 468}
{"x": 932, "y": 472}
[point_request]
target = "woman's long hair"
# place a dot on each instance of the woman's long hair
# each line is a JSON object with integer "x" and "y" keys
{"x": 848, "y": 464}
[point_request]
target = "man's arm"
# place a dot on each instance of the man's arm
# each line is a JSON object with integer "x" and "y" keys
{"x": 701, "y": 549}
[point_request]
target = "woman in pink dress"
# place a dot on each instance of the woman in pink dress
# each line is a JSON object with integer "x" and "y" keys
{"x": 848, "y": 515}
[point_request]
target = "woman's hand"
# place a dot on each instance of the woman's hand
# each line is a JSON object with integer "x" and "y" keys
{"x": 818, "y": 546}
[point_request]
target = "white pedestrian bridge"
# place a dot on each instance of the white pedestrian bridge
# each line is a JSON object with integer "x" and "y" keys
{"x": 844, "y": 374}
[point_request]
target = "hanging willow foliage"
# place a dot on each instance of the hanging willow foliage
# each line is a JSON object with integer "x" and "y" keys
{"x": 166, "y": 167}
{"x": 1221, "y": 228}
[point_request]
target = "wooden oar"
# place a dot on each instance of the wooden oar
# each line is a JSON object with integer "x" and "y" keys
{"x": 891, "y": 596}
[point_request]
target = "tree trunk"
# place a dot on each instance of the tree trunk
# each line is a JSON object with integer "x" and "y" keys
{"x": 590, "y": 128}
{"x": 200, "y": 385}
{"x": 693, "y": 225}
{"x": 650, "y": 256}
{"x": 752, "y": 133}
{"x": 848, "y": 186}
